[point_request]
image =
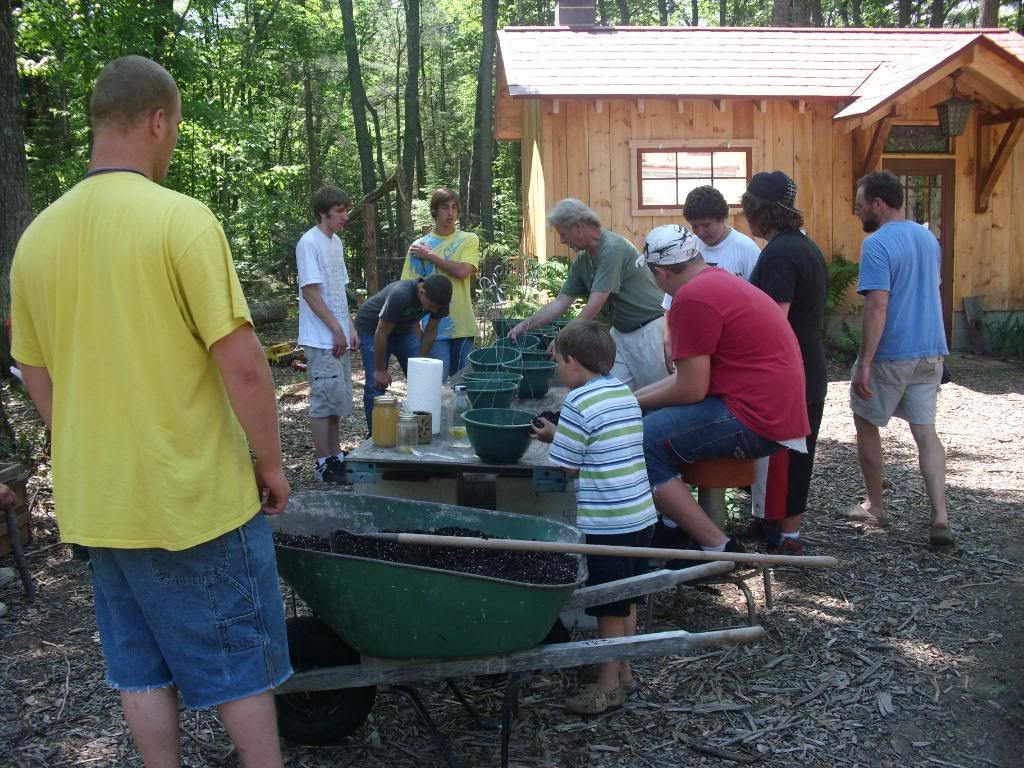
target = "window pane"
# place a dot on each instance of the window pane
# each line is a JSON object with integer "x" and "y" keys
{"x": 732, "y": 165}
{"x": 732, "y": 189}
{"x": 658, "y": 165}
{"x": 659, "y": 193}
{"x": 917, "y": 139}
{"x": 685, "y": 185}
{"x": 694, "y": 165}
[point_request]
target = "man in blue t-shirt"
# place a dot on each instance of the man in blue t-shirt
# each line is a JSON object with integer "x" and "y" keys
{"x": 899, "y": 367}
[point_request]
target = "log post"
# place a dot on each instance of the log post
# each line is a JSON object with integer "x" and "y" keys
{"x": 370, "y": 248}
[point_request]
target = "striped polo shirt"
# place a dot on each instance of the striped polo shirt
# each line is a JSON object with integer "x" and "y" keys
{"x": 600, "y": 433}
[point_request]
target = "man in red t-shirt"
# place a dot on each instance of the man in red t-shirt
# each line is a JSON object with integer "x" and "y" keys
{"x": 738, "y": 389}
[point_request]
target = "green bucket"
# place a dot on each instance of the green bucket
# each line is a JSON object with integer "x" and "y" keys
{"x": 535, "y": 354}
{"x": 537, "y": 376}
{"x": 494, "y": 358}
{"x": 508, "y": 377}
{"x": 491, "y": 394}
{"x": 525, "y": 341}
{"x": 498, "y": 435}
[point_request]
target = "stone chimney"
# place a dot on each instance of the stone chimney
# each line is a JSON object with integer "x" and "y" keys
{"x": 574, "y": 13}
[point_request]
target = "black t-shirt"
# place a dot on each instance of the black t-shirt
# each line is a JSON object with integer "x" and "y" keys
{"x": 792, "y": 270}
{"x": 397, "y": 303}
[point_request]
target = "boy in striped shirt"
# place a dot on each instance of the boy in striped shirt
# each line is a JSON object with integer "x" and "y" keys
{"x": 599, "y": 440}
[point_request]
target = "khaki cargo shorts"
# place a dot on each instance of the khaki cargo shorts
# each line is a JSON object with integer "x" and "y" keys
{"x": 907, "y": 389}
{"x": 330, "y": 383}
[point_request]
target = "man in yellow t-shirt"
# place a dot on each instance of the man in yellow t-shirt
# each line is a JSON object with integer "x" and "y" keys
{"x": 151, "y": 470}
{"x": 455, "y": 254}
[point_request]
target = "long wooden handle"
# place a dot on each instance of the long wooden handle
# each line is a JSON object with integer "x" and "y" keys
{"x": 567, "y": 548}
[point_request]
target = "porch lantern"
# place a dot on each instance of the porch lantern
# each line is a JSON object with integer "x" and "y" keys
{"x": 954, "y": 112}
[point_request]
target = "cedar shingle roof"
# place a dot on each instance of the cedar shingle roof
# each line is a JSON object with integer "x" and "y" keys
{"x": 733, "y": 62}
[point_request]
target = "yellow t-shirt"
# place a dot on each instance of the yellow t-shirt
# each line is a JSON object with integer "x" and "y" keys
{"x": 458, "y": 246}
{"x": 119, "y": 289}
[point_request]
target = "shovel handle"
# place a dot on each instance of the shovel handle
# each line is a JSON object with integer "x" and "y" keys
{"x": 568, "y": 548}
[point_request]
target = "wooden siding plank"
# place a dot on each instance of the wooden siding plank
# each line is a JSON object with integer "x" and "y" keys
{"x": 576, "y": 166}
{"x": 620, "y": 193}
{"x": 598, "y": 151}
{"x": 743, "y": 119}
{"x": 845, "y": 227}
{"x": 820, "y": 224}
{"x": 556, "y": 177}
{"x": 1000, "y": 238}
{"x": 782, "y": 137}
{"x": 803, "y": 168}
{"x": 970, "y": 234}
{"x": 1015, "y": 269}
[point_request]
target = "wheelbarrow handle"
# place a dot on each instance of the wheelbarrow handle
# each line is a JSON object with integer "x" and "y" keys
{"x": 568, "y": 548}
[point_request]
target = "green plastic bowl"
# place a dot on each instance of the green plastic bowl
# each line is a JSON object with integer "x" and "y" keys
{"x": 503, "y": 325}
{"x": 494, "y": 358}
{"x": 537, "y": 376}
{"x": 491, "y": 394}
{"x": 535, "y": 354}
{"x": 498, "y": 435}
{"x": 526, "y": 341}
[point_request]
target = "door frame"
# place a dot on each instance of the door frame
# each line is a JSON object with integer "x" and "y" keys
{"x": 946, "y": 168}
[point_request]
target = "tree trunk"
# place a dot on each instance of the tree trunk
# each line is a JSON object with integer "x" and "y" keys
{"x": 662, "y": 13}
{"x": 623, "y": 12}
{"x": 780, "y": 13}
{"x": 905, "y": 8}
{"x": 694, "y": 13}
{"x": 359, "y": 102}
{"x": 482, "y": 191}
{"x": 938, "y": 14}
{"x": 858, "y": 18}
{"x": 723, "y": 20}
{"x": 412, "y": 118}
{"x": 312, "y": 153}
{"x": 989, "y": 16}
{"x": 15, "y": 192}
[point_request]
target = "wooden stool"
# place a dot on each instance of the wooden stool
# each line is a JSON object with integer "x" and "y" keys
{"x": 712, "y": 476}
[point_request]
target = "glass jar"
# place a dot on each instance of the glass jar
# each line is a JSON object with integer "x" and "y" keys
{"x": 385, "y": 420}
{"x": 457, "y": 425}
{"x": 408, "y": 433}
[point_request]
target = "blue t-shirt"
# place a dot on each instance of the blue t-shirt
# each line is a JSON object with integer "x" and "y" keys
{"x": 904, "y": 258}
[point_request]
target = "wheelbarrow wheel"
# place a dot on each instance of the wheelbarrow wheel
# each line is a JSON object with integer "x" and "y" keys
{"x": 319, "y": 718}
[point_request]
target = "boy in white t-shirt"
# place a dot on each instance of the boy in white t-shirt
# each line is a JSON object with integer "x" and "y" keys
{"x": 325, "y": 328}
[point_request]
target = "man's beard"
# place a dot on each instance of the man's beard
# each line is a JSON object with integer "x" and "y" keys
{"x": 871, "y": 225}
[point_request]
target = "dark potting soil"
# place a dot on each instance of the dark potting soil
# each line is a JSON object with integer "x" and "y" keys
{"x": 525, "y": 567}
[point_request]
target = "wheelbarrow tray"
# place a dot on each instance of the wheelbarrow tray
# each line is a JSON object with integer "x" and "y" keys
{"x": 400, "y": 611}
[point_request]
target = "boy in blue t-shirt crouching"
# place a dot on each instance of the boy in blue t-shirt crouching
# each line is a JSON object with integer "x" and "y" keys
{"x": 599, "y": 440}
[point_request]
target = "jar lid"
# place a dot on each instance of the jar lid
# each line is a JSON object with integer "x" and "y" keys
{"x": 459, "y": 387}
{"x": 407, "y": 417}
{"x": 385, "y": 400}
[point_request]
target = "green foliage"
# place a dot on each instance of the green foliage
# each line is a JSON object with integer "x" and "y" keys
{"x": 843, "y": 342}
{"x": 1008, "y": 337}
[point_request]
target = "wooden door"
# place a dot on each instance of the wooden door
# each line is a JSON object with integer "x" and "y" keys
{"x": 928, "y": 199}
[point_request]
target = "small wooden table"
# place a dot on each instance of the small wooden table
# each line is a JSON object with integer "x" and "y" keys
{"x": 436, "y": 472}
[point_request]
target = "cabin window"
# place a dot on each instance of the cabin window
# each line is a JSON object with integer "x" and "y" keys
{"x": 917, "y": 140}
{"x": 665, "y": 175}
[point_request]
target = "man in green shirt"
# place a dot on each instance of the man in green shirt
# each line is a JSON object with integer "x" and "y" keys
{"x": 611, "y": 274}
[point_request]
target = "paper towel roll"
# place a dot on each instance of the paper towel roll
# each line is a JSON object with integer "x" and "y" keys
{"x": 425, "y": 388}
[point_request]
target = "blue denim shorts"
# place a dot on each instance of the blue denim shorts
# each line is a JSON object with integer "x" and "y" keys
{"x": 689, "y": 433}
{"x": 208, "y": 620}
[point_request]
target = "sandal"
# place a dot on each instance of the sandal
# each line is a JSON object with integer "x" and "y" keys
{"x": 940, "y": 536}
{"x": 593, "y": 700}
{"x": 858, "y": 514}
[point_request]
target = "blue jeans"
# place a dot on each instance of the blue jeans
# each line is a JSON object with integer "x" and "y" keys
{"x": 208, "y": 620}
{"x": 689, "y": 433}
{"x": 453, "y": 354}
{"x": 400, "y": 345}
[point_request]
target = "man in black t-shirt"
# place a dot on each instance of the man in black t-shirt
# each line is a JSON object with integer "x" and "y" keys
{"x": 388, "y": 324}
{"x": 792, "y": 271}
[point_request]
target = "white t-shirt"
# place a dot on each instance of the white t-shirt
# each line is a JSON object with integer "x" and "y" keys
{"x": 321, "y": 260}
{"x": 736, "y": 254}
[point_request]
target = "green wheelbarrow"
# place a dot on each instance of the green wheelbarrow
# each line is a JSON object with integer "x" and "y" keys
{"x": 377, "y": 622}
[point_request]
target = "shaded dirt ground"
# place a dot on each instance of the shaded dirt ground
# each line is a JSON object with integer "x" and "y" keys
{"x": 901, "y": 656}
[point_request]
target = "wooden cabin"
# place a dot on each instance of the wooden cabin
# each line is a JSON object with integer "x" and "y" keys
{"x": 629, "y": 119}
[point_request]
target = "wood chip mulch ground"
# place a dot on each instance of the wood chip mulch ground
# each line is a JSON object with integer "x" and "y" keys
{"x": 901, "y": 656}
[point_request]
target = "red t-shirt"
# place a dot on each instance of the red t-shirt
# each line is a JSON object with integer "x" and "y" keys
{"x": 755, "y": 359}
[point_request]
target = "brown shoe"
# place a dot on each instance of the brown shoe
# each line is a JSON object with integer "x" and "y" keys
{"x": 593, "y": 700}
{"x": 940, "y": 537}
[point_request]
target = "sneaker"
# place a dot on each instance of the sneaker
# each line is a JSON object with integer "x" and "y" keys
{"x": 758, "y": 529}
{"x": 787, "y": 547}
{"x": 331, "y": 470}
{"x": 732, "y": 545}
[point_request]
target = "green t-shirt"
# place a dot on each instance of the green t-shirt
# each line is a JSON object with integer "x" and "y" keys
{"x": 619, "y": 270}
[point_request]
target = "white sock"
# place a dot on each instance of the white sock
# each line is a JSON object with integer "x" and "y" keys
{"x": 719, "y": 548}
{"x": 668, "y": 523}
{"x": 340, "y": 456}
{"x": 794, "y": 535}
